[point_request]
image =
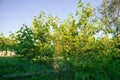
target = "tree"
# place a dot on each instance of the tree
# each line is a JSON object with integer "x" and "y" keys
{"x": 106, "y": 16}
{"x": 110, "y": 9}
{"x": 70, "y": 47}
{"x": 2, "y": 43}
{"x": 5, "y": 43}
{"x": 43, "y": 37}
{"x": 25, "y": 42}
{"x": 114, "y": 14}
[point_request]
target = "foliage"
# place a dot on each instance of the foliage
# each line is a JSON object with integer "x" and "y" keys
{"x": 110, "y": 11}
{"x": 6, "y": 43}
{"x": 69, "y": 48}
{"x": 25, "y": 42}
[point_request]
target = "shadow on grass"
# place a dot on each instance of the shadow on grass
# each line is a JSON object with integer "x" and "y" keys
{"x": 10, "y": 65}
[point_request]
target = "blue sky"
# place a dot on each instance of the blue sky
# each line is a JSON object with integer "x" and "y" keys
{"x": 14, "y": 13}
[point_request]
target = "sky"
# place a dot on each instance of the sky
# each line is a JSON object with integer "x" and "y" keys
{"x": 14, "y": 13}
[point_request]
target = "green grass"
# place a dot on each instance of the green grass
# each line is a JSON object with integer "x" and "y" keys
{"x": 18, "y": 65}
{"x": 107, "y": 70}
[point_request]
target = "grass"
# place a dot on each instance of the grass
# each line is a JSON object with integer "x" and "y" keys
{"x": 104, "y": 70}
{"x": 18, "y": 65}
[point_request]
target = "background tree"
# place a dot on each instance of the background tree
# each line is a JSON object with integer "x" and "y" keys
{"x": 5, "y": 43}
{"x": 114, "y": 14}
{"x": 110, "y": 10}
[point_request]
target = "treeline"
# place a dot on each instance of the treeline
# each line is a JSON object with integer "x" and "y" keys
{"x": 73, "y": 45}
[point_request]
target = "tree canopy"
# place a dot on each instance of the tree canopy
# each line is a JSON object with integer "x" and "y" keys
{"x": 73, "y": 41}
